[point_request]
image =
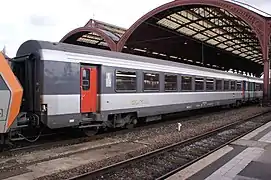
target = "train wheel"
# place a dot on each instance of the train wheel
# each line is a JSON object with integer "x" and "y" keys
{"x": 132, "y": 124}
{"x": 91, "y": 131}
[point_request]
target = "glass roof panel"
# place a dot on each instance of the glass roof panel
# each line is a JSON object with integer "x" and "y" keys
{"x": 85, "y": 40}
{"x": 201, "y": 37}
{"x": 222, "y": 46}
{"x": 168, "y": 23}
{"x": 222, "y": 29}
{"x": 187, "y": 31}
{"x": 212, "y": 41}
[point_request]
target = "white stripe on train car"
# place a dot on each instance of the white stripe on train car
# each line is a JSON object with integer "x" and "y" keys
{"x": 54, "y": 55}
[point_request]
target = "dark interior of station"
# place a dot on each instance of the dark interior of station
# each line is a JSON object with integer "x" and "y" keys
{"x": 195, "y": 34}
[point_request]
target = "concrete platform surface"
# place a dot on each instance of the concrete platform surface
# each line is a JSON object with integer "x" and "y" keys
{"x": 248, "y": 158}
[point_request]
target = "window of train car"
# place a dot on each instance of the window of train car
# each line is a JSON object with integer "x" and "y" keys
{"x": 86, "y": 79}
{"x": 218, "y": 85}
{"x": 233, "y": 86}
{"x": 251, "y": 86}
{"x": 209, "y": 84}
{"x": 261, "y": 87}
{"x": 258, "y": 87}
{"x": 151, "y": 82}
{"x": 171, "y": 83}
{"x": 226, "y": 85}
{"x": 239, "y": 86}
{"x": 186, "y": 83}
{"x": 199, "y": 84}
{"x": 125, "y": 81}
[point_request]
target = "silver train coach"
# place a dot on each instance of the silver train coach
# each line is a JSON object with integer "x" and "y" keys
{"x": 72, "y": 86}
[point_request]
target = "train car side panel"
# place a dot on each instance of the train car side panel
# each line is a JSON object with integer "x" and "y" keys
{"x": 61, "y": 93}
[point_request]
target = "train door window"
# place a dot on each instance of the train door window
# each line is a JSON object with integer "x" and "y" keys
{"x": 151, "y": 82}
{"x": 199, "y": 84}
{"x": 219, "y": 85}
{"x": 186, "y": 83}
{"x": 125, "y": 81}
{"x": 209, "y": 84}
{"x": 233, "y": 86}
{"x": 226, "y": 85}
{"x": 171, "y": 83}
{"x": 239, "y": 86}
{"x": 86, "y": 79}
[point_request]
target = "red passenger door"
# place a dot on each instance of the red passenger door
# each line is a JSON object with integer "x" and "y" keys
{"x": 88, "y": 89}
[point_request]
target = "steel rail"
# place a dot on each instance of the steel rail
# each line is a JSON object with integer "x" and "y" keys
{"x": 121, "y": 164}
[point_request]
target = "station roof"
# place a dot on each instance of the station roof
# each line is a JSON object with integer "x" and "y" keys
{"x": 200, "y": 34}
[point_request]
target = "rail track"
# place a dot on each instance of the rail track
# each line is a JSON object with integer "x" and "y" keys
{"x": 65, "y": 139}
{"x": 164, "y": 162}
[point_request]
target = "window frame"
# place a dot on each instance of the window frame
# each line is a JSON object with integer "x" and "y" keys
{"x": 115, "y": 80}
{"x": 234, "y": 85}
{"x": 228, "y": 84}
{"x": 84, "y": 80}
{"x": 181, "y": 84}
{"x": 143, "y": 83}
{"x": 204, "y": 84}
{"x": 171, "y": 74}
{"x": 210, "y": 78}
{"x": 222, "y": 85}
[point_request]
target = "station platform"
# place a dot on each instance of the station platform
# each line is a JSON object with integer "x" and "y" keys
{"x": 248, "y": 158}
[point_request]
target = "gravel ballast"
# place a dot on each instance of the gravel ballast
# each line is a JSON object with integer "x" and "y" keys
{"x": 157, "y": 137}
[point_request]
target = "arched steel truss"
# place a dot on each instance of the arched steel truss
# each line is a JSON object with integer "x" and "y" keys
{"x": 217, "y": 23}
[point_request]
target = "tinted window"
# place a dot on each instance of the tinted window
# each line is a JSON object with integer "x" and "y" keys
{"x": 125, "y": 80}
{"x": 233, "y": 85}
{"x": 226, "y": 85}
{"x": 186, "y": 83}
{"x": 3, "y": 85}
{"x": 209, "y": 84}
{"x": 218, "y": 85}
{"x": 261, "y": 86}
{"x": 239, "y": 86}
{"x": 86, "y": 79}
{"x": 199, "y": 84}
{"x": 251, "y": 86}
{"x": 171, "y": 83}
{"x": 258, "y": 87}
{"x": 61, "y": 78}
{"x": 151, "y": 81}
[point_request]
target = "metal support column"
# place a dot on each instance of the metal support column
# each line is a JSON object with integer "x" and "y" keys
{"x": 266, "y": 93}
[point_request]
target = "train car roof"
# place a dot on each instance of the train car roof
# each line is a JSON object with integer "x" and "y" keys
{"x": 35, "y": 46}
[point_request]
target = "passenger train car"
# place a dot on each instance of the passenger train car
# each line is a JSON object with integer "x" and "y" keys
{"x": 60, "y": 85}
